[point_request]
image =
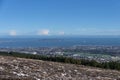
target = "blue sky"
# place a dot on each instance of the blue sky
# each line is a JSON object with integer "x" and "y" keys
{"x": 59, "y": 17}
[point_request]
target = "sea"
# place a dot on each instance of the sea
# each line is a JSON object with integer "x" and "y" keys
{"x": 58, "y": 42}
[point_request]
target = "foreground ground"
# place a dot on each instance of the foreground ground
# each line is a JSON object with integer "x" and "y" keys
{"x": 12, "y": 68}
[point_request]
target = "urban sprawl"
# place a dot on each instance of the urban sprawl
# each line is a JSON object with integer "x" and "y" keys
{"x": 98, "y": 53}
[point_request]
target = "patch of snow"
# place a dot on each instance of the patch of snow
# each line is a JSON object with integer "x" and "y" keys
{"x": 36, "y": 78}
{"x": 44, "y": 72}
{"x": 63, "y": 74}
{"x": 75, "y": 70}
{"x": 20, "y": 74}
{"x": 1, "y": 68}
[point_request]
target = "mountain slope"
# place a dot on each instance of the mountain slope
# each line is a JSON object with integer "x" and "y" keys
{"x": 12, "y": 68}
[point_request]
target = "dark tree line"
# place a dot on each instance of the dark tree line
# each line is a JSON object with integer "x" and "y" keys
{"x": 93, "y": 63}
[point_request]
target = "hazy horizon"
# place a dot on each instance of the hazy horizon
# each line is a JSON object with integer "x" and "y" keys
{"x": 40, "y": 36}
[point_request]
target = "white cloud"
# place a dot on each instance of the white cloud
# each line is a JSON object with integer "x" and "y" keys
{"x": 61, "y": 33}
{"x": 43, "y": 32}
{"x": 12, "y": 33}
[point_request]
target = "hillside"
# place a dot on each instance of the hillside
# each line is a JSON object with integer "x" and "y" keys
{"x": 12, "y": 68}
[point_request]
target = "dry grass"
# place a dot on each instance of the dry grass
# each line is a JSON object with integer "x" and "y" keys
{"x": 12, "y": 68}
